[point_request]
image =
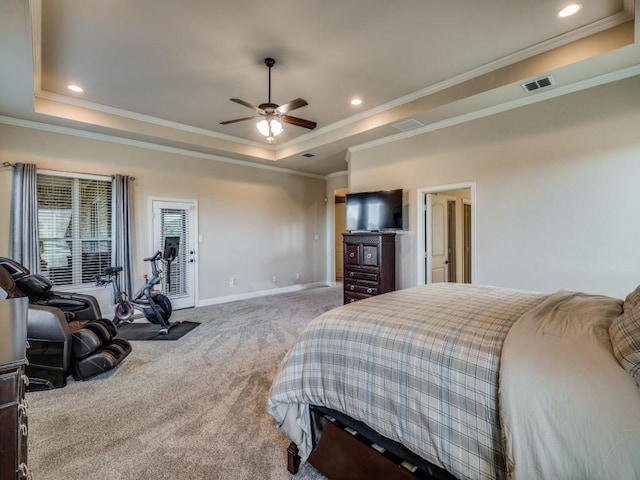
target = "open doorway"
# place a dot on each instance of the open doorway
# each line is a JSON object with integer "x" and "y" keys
{"x": 445, "y": 234}
{"x": 339, "y": 228}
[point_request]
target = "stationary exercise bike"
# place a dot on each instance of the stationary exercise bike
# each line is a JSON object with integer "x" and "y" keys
{"x": 155, "y": 306}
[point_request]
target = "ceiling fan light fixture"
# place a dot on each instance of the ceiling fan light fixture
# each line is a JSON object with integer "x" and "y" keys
{"x": 269, "y": 127}
{"x": 276, "y": 127}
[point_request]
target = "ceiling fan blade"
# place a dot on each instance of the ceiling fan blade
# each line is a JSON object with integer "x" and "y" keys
{"x": 292, "y": 105}
{"x": 237, "y": 120}
{"x": 300, "y": 122}
{"x": 247, "y": 104}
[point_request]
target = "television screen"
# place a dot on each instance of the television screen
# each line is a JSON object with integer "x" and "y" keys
{"x": 374, "y": 211}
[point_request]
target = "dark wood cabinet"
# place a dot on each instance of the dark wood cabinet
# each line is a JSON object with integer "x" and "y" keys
{"x": 13, "y": 382}
{"x": 369, "y": 265}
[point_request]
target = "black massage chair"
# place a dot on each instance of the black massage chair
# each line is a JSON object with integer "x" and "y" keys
{"x": 65, "y": 331}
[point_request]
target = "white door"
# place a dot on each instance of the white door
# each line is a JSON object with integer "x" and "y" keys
{"x": 177, "y": 219}
{"x": 437, "y": 241}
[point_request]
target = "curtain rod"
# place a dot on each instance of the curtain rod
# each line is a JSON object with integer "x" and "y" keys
{"x": 8, "y": 165}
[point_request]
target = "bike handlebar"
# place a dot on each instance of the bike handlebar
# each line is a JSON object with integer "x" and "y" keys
{"x": 154, "y": 257}
{"x": 155, "y": 273}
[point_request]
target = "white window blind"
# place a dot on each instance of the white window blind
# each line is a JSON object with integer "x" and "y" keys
{"x": 173, "y": 223}
{"x": 74, "y": 223}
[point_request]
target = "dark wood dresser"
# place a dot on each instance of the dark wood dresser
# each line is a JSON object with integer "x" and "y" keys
{"x": 13, "y": 382}
{"x": 369, "y": 265}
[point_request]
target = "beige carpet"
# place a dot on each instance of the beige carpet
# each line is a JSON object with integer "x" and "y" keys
{"x": 190, "y": 409}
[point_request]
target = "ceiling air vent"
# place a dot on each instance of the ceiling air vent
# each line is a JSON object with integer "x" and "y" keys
{"x": 308, "y": 155}
{"x": 538, "y": 84}
{"x": 406, "y": 125}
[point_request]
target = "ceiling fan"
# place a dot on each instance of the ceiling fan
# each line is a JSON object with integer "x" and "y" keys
{"x": 272, "y": 114}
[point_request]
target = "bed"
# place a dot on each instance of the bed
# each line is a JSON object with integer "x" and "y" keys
{"x": 467, "y": 382}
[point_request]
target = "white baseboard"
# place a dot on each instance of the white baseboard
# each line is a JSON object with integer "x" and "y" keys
{"x": 261, "y": 293}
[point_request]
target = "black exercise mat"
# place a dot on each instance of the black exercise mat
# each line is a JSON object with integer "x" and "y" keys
{"x": 149, "y": 331}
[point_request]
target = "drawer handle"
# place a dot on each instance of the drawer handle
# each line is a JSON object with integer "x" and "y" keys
{"x": 24, "y": 472}
{"x": 369, "y": 255}
{"x": 351, "y": 287}
{"x": 351, "y": 274}
{"x": 25, "y": 380}
{"x": 352, "y": 254}
{"x": 352, "y": 300}
{"x": 28, "y": 345}
{"x": 23, "y": 407}
{"x": 24, "y": 429}
{"x": 369, "y": 290}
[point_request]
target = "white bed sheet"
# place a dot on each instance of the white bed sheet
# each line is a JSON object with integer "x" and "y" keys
{"x": 568, "y": 409}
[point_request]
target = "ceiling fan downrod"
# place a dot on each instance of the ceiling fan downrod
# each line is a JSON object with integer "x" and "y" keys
{"x": 269, "y": 62}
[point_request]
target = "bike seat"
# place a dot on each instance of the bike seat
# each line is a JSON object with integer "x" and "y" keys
{"x": 111, "y": 270}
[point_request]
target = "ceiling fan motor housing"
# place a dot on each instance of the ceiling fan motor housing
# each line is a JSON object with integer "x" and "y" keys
{"x": 268, "y": 107}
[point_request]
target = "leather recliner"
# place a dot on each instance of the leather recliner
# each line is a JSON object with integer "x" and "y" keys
{"x": 65, "y": 331}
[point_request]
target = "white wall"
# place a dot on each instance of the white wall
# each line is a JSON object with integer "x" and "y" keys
{"x": 255, "y": 223}
{"x": 557, "y": 189}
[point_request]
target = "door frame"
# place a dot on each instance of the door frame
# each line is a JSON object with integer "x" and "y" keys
{"x": 196, "y": 238}
{"x": 421, "y": 240}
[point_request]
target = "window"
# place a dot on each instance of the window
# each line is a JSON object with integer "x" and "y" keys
{"x": 174, "y": 223}
{"x": 74, "y": 224}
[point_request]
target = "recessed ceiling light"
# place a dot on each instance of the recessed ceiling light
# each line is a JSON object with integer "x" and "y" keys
{"x": 356, "y": 101}
{"x": 569, "y": 10}
{"x": 75, "y": 88}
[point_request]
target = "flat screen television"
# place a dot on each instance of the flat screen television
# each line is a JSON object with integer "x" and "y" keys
{"x": 374, "y": 211}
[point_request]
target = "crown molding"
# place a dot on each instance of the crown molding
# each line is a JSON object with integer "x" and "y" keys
{"x": 47, "y": 127}
{"x": 503, "y": 107}
{"x": 56, "y": 97}
{"x": 561, "y": 40}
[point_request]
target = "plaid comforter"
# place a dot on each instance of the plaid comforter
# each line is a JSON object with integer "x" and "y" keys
{"x": 420, "y": 366}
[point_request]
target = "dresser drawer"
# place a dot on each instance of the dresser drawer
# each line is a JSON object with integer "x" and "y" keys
{"x": 358, "y": 275}
{"x": 369, "y": 256}
{"x": 351, "y": 287}
{"x": 354, "y": 297}
{"x": 9, "y": 388}
{"x": 352, "y": 254}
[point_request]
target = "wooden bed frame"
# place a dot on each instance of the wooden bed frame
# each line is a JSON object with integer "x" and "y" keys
{"x": 344, "y": 448}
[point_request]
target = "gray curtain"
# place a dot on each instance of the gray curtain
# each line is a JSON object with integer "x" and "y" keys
{"x": 24, "y": 217}
{"x": 121, "y": 254}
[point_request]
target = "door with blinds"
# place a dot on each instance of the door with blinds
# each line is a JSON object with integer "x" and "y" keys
{"x": 177, "y": 219}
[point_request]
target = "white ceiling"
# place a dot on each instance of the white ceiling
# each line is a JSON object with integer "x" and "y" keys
{"x": 163, "y": 71}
